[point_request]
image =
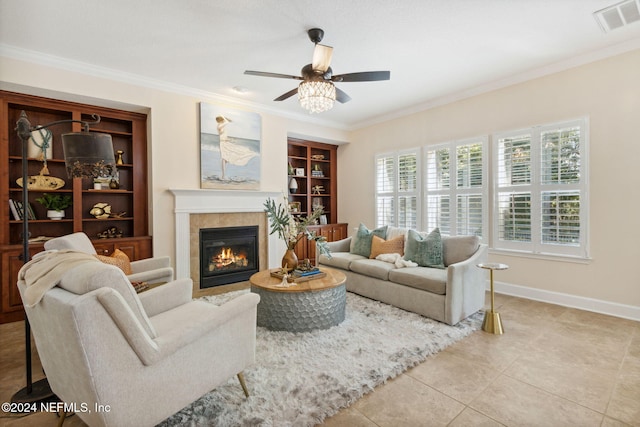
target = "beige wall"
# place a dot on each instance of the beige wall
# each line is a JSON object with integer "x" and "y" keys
{"x": 608, "y": 92}
{"x": 173, "y": 125}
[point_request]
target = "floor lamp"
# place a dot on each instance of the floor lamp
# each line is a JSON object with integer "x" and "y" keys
{"x": 86, "y": 154}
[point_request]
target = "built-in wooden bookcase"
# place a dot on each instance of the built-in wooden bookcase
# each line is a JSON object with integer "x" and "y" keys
{"x": 313, "y": 165}
{"x": 128, "y": 132}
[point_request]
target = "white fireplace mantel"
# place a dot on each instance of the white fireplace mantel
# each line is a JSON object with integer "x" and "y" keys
{"x": 189, "y": 202}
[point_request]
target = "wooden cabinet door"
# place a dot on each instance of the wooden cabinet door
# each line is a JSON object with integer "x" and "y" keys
{"x": 338, "y": 232}
{"x": 331, "y": 232}
{"x": 301, "y": 249}
{"x": 11, "y": 261}
{"x": 11, "y": 264}
{"x": 103, "y": 247}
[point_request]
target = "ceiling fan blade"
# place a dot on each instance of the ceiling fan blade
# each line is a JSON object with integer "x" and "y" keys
{"x": 265, "y": 74}
{"x": 366, "y": 76}
{"x": 321, "y": 58}
{"x": 287, "y": 95}
{"x": 341, "y": 96}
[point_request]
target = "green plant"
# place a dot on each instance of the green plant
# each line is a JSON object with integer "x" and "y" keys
{"x": 55, "y": 202}
{"x": 291, "y": 228}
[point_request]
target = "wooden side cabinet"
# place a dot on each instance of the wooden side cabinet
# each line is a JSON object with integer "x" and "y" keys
{"x": 332, "y": 232}
{"x": 129, "y": 200}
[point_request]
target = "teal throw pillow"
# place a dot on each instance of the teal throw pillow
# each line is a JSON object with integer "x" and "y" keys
{"x": 364, "y": 236}
{"x": 425, "y": 251}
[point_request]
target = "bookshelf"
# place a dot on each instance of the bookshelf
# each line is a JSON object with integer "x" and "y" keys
{"x": 128, "y": 132}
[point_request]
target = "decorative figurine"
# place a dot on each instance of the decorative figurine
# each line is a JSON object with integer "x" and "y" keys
{"x": 110, "y": 233}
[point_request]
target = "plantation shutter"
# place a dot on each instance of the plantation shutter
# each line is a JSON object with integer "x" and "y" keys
{"x": 407, "y": 190}
{"x": 560, "y": 174}
{"x": 470, "y": 200}
{"x": 385, "y": 188}
{"x": 438, "y": 176}
{"x": 454, "y": 181}
{"x": 397, "y": 189}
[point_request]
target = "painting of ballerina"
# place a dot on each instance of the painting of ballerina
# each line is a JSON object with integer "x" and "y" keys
{"x": 229, "y": 148}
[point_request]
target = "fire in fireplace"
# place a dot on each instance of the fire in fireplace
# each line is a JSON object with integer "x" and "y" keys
{"x": 228, "y": 255}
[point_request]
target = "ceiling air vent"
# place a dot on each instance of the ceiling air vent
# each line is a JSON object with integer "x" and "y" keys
{"x": 618, "y": 15}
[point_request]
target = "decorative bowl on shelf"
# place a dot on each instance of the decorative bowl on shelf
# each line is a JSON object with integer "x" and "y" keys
{"x": 42, "y": 182}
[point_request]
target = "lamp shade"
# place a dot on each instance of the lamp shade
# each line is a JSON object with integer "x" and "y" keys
{"x": 88, "y": 154}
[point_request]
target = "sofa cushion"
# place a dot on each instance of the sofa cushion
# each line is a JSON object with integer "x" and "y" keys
{"x": 339, "y": 259}
{"x": 392, "y": 246}
{"x": 432, "y": 280}
{"x": 459, "y": 248}
{"x": 119, "y": 259}
{"x": 361, "y": 242}
{"x": 372, "y": 268}
{"x": 425, "y": 250}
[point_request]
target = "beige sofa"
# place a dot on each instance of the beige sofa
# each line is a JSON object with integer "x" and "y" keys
{"x": 447, "y": 295}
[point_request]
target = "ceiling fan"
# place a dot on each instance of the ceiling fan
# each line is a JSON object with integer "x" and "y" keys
{"x": 317, "y": 91}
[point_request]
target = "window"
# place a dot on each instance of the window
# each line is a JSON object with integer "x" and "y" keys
{"x": 455, "y": 199}
{"x": 397, "y": 189}
{"x": 541, "y": 189}
{"x": 538, "y": 189}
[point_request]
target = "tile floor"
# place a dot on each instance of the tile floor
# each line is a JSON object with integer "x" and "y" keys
{"x": 554, "y": 366}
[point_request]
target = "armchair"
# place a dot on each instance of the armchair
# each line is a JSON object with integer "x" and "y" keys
{"x": 144, "y": 355}
{"x": 151, "y": 270}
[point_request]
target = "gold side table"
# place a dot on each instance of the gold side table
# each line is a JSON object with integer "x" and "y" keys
{"x": 492, "y": 322}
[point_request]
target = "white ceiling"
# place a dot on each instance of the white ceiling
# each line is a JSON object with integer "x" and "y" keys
{"x": 436, "y": 50}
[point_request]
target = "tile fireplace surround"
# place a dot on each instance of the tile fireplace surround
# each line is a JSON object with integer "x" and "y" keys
{"x": 195, "y": 209}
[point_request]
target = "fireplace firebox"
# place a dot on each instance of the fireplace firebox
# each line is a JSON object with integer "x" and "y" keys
{"x": 228, "y": 255}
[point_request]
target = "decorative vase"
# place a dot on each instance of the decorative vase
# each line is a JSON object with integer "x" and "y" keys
{"x": 52, "y": 214}
{"x": 290, "y": 260}
{"x": 40, "y": 144}
{"x": 293, "y": 186}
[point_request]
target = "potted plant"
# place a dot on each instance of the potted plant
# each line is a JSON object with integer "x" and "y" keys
{"x": 291, "y": 228}
{"x": 55, "y": 204}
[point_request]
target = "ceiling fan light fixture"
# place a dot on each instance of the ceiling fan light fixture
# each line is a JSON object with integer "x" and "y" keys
{"x": 316, "y": 96}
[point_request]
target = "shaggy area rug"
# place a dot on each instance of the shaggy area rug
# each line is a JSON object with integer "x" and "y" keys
{"x": 299, "y": 379}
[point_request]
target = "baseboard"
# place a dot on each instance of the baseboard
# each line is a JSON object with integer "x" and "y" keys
{"x": 589, "y": 304}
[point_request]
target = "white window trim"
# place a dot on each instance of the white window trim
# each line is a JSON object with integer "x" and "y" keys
{"x": 536, "y": 247}
{"x": 396, "y": 193}
{"x": 453, "y": 191}
{"x": 491, "y": 190}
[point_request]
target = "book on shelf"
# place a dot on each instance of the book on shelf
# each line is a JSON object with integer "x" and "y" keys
{"x": 17, "y": 210}
{"x": 32, "y": 214}
{"x": 14, "y": 210}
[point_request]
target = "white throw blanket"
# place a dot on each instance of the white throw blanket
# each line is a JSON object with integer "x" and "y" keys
{"x": 45, "y": 270}
{"x": 397, "y": 260}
